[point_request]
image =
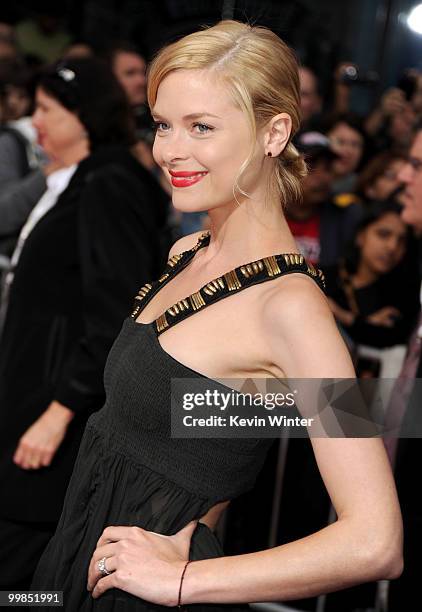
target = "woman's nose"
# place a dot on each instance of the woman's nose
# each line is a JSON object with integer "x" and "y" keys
{"x": 35, "y": 119}
{"x": 174, "y": 148}
{"x": 393, "y": 244}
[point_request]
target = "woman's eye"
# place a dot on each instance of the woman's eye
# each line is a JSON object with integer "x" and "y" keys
{"x": 161, "y": 126}
{"x": 202, "y": 128}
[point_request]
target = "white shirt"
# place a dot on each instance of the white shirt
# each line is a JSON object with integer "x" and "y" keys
{"x": 56, "y": 183}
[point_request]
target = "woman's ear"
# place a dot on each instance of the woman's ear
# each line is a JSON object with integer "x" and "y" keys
{"x": 277, "y": 134}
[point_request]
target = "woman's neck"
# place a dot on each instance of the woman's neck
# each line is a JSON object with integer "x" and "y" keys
{"x": 247, "y": 231}
{"x": 364, "y": 276}
{"x": 75, "y": 154}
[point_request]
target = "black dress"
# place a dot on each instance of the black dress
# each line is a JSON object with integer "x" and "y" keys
{"x": 129, "y": 470}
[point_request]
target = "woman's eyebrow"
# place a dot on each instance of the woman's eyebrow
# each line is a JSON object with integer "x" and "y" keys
{"x": 198, "y": 115}
{"x": 188, "y": 117}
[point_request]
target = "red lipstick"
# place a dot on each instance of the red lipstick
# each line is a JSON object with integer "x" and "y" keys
{"x": 186, "y": 178}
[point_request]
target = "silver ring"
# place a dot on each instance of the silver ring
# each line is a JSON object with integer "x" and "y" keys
{"x": 102, "y": 567}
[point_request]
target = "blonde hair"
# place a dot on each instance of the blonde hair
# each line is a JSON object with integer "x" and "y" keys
{"x": 262, "y": 74}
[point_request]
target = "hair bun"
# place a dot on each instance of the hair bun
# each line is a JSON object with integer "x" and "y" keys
{"x": 293, "y": 161}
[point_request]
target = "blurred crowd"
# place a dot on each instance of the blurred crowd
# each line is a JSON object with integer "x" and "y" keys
{"x": 350, "y": 221}
{"x": 75, "y": 129}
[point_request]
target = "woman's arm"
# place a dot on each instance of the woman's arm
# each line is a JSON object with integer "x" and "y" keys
{"x": 352, "y": 550}
{"x": 117, "y": 256}
{"x": 364, "y": 544}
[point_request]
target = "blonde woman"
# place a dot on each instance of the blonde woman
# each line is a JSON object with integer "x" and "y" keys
{"x": 141, "y": 504}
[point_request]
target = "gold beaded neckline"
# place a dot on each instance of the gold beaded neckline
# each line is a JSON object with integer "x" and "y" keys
{"x": 231, "y": 282}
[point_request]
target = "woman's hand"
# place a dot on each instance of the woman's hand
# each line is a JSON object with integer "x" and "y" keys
{"x": 385, "y": 317}
{"x": 345, "y": 317}
{"x": 38, "y": 445}
{"x": 393, "y": 102}
{"x": 146, "y": 564}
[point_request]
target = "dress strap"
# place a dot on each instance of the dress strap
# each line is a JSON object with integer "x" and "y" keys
{"x": 174, "y": 265}
{"x": 235, "y": 280}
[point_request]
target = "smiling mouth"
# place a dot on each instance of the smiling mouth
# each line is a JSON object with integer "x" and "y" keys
{"x": 186, "y": 179}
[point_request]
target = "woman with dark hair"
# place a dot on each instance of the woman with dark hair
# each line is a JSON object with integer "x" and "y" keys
{"x": 88, "y": 244}
{"x": 372, "y": 292}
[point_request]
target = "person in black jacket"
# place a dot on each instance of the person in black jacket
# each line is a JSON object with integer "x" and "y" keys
{"x": 373, "y": 291}
{"x": 80, "y": 262}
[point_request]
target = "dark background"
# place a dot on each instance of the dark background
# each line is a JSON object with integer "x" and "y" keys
{"x": 371, "y": 33}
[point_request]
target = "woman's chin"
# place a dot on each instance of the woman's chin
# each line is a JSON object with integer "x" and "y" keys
{"x": 382, "y": 268}
{"x": 342, "y": 170}
{"x": 185, "y": 207}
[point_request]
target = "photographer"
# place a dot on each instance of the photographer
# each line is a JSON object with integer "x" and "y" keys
{"x": 392, "y": 122}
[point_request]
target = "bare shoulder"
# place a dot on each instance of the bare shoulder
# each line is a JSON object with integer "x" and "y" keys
{"x": 301, "y": 332}
{"x": 296, "y": 295}
{"x": 185, "y": 243}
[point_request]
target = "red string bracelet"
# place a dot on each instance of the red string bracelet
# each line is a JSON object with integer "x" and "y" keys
{"x": 179, "y": 602}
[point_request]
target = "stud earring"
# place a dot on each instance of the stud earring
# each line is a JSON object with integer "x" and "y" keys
{"x": 269, "y": 154}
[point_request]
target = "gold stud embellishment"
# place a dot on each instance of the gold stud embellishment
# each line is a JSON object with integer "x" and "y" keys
{"x": 143, "y": 291}
{"x": 214, "y": 286}
{"x": 163, "y": 278}
{"x": 161, "y": 323}
{"x": 312, "y": 270}
{"x": 174, "y": 310}
{"x": 321, "y": 276}
{"x": 201, "y": 239}
{"x": 232, "y": 281}
{"x": 197, "y": 300}
{"x": 252, "y": 268}
{"x": 174, "y": 259}
{"x": 271, "y": 265}
{"x": 136, "y": 312}
{"x": 180, "y": 306}
{"x": 292, "y": 259}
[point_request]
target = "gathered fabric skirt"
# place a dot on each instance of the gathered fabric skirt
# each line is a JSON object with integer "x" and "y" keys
{"x": 108, "y": 488}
